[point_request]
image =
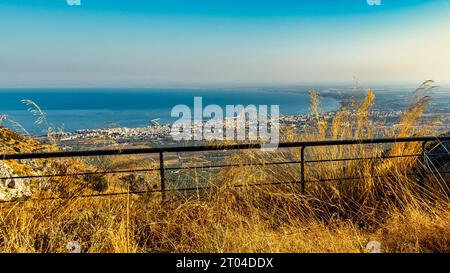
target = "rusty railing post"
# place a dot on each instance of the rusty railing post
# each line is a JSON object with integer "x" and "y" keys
{"x": 302, "y": 159}
{"x": 163, "y": 178}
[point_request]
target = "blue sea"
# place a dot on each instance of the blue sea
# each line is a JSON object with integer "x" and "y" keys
{"x": 73, "y": 109}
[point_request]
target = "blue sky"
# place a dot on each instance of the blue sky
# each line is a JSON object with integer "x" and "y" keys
{"x": 189, "y": 42}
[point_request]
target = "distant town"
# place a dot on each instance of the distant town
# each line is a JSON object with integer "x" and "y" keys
{"x": 160, "y": 134}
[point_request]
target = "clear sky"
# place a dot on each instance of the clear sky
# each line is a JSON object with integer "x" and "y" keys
{"x": 47, "y": 43}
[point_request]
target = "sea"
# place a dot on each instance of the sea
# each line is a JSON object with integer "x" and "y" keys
{"x": 75, "y": 109}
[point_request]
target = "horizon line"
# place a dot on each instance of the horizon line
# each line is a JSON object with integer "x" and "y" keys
{"x": 231, "y": 85}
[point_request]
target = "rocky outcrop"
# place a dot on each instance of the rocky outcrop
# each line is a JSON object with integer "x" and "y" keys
{"x": 10, "y": 143}
{"x": 12, "y": 189}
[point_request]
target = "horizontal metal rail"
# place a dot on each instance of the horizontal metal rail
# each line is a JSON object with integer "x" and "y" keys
{"x": 158, "y": 150}
{"x": 161, "y": 150}
{"x": 215, "y": 166}
{"x": 237, "y": 186}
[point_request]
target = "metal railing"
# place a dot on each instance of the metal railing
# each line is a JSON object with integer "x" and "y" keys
{"x": 163, "y": 150}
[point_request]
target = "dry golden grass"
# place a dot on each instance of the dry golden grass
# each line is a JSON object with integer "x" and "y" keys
{"x": 341, "y": 216}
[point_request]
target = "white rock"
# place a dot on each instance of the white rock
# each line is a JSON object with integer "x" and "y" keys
{"x": 12, "y": 189}
{"x": 73, "y": 247}
{"x": 373, "y": 247}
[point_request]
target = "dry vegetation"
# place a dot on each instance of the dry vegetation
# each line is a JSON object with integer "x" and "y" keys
{"x": 404, "y": 213}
